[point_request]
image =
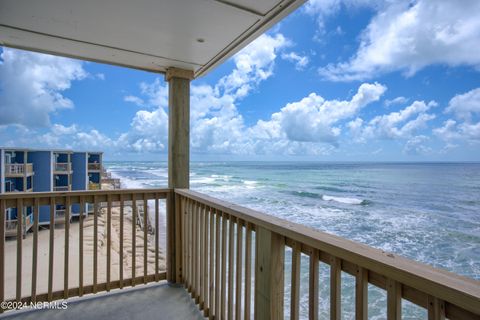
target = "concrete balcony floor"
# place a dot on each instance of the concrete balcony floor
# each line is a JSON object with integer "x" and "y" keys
{"x": 154, "y": 301}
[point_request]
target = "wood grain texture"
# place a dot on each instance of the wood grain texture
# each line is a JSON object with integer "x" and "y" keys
{"x": 51, "y": 248}
{"x": 361, "y": 294}
{"x": 295, "y": 285}
{"x": 19, "y": 248}
{"x": 335, "y": 288}
{"x": 248, "y": 271}
{"x": 394, "y": 300}
{"x": 36, "y": 215}
{"x": 269, "y": 275}
{"x": 313, "y": 285}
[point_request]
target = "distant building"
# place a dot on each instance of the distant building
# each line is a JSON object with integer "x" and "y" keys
{"x": 29, "y": 170}
{"x": 16, "y": 176}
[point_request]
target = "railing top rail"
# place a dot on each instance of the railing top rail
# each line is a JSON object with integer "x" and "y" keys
{"x": 33, "y": 195}
{"x": 456, "y": 289}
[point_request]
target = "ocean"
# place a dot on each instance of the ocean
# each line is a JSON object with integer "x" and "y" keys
{"x": 429, "y": 212}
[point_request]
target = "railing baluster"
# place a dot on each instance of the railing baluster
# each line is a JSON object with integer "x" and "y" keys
{"x": 178, "y": 237}
{"x": 213, "y": 265}
{"x": 231, "y": 266}
{"x": 121, "y": 253}
{"x": 157, "y": 226}
{"x": 224, "y": 266}
{"x": 189, "y": 244}
{"x": 295, "y": 290}
{"x": 394, "y": 300}
{"x": 269, "y": 274}
{"x": 51, "y": 247}
{"x": 134, "y": 237}
{"x": 184, "y": 241}
{"x": 436, "y": 308}
{"x": 248, "y": 270}
{"x": 361, "y": 294}
{"x": 335, "y": 288}
{"x": 313, "y": 286}
{"x": 109, "y": 239}
{"x": 218, "y": 285}
{"x": 19, "y": 248}
{"x": 197, "y": 252}
{"x": 35, "y": 249}
{"x": 145, "y": 238}
{"x": 2, "y": 252}
{"x": 80, "y": 246}
{"x": 201, "y": 252}
{"x": 198, "y": 291}
{"x": 192, "y": 249}
{"x": 206, "y": 252}
{"x": 67, "y": 244}
{"x": 195, "y": 255}
{"x": 239, "y": 271}
{"x": 95, "y": 242}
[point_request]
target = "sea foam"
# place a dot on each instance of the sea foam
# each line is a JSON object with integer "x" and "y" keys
{"x": 343, "y": 200}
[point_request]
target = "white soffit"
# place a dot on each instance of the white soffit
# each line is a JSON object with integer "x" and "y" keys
{"x": 151, "y": 35}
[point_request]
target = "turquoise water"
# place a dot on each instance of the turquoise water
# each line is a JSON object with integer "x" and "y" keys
{"x": 429, "y": 212}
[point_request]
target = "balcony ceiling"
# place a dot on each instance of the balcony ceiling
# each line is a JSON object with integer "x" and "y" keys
{"x": 144, "y": 34}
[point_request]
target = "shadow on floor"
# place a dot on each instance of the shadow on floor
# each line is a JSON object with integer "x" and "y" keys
{"x": 155, "y": 301}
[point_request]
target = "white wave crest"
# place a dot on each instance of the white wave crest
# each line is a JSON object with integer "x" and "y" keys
{"x": 343, "y": 200}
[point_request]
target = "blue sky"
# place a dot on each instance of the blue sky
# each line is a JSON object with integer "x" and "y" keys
{"x": 337, "y": 80}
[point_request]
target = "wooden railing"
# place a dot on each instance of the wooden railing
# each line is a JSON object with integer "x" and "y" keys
{"x": 18, "y": 168}
{"x": 217, "y": 241}
{"x": 136, "y": 264}
{"x": 62, "y": 167}
{"x": 93, "y": 186}
{"x": 94, "y": 166}
{"x": 231, "y": 259}
{"x": 61, "y": 188}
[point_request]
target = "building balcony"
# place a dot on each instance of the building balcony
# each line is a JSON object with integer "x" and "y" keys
{"x": 14, "y": 170}
{"x": 228, "y": 261}
{"x": 62, "y": 167}
{"x": 94, "y": 186}
{"x": 94, "y": 167}
{"x": 11, "y": 226}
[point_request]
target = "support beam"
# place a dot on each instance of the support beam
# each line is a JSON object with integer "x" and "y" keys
{"x": 178, "y": 127}
{"x": 178, "y": 160}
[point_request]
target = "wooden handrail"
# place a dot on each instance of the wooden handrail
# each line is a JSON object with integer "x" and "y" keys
{"x": 414, "y": 281}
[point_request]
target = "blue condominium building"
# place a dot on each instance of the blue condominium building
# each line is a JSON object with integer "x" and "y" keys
{"x": 17, "y": 175}
{"x": 29, "y": 170}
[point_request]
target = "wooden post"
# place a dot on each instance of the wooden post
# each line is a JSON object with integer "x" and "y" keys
{"x": 178, "y": 159}
{"x": 269, "y": 274}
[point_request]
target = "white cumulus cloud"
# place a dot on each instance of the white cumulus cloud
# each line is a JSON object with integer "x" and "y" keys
{"x": 314, "y": 119}
{"x": 410, "y": 35}
{"x": 466, "y": 126}
{"x": 400, "y": 124}
{"x": 300, "y": 61}
{"x": 35, "y": 83}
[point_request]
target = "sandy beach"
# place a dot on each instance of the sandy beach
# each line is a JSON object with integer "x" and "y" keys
{"x": 88, "y": 248}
